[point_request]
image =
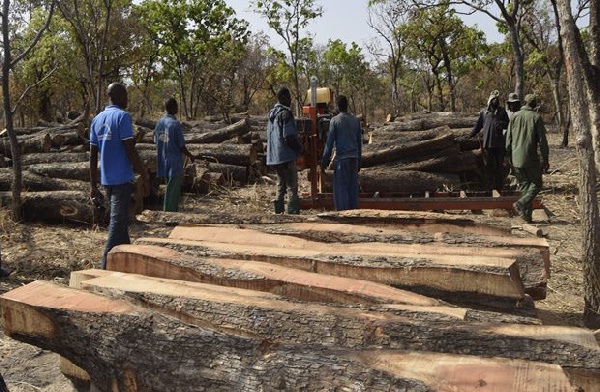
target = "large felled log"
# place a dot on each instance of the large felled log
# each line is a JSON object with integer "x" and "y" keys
{"x": 497, "y": 282}
{"x": 232, "y": 154}
{"x": 427, "y": 329}
{"x": 136, "y": 349}
{"x": 382, "y": 135}
{"x": 54, "y": 157}
{"x": 532, "y": 264}
{"x": 236, "y": 129}
{"x": 449, "y": 160}
{"x": 33, "y": 182}
{"x": 58, "y": 207}
{"x": 174, "y": 218}
{"x": 432, "y": 121}
{"x": 380, "y": 153}
{"x": 387, "y": 180}
{"x": 231, "y": 173}
{"x": 27, "y": 144}
{"x": 66, "y": 170}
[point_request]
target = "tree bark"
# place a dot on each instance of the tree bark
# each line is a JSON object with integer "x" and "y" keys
{"x": 220, "y": 135}
{"x": 429, "y": 122}
{"x": 379, "y": 153}
{"x": 388, "y": 180}
{"x": 584, "y": 116}
{"x": 327, "y": 349}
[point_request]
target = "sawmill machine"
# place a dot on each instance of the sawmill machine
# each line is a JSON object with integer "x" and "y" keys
{"x": 313, "y": 125}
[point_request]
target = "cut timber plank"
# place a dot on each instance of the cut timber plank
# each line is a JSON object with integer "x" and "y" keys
{"x": 499, "y": 278}
{"x": 306, "y": 286}
{"x": 462, "y": 261}
{"x": 534, "y": 269}
{"x": 424, "y": 220}
{"x": 268, "y": 317}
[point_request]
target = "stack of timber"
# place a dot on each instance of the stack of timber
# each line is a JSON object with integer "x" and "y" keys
{"x": 402, "y": 301}
{"x": 55, "y": 164}
{"x": 422, "y": 152}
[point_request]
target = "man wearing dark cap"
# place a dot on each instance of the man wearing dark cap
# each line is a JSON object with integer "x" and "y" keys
{"x": 526, "y": 134}
{"x": 493, "y": 119}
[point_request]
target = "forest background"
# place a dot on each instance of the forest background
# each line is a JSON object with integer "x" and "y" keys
{"x": 421, "y": 57}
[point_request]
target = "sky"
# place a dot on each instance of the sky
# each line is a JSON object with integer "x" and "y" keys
{"x": 345, "y": 20}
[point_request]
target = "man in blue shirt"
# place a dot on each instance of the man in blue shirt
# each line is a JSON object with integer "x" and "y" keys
{"x": 169, "y": 146}
{"x": 283, "y": 147}
{"x": 345, "y": 134}
{"x": 111, "y": 138}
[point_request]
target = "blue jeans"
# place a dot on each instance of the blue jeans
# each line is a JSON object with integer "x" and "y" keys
{"x": 118, "y": 228}
{"x": 345, "y": 184}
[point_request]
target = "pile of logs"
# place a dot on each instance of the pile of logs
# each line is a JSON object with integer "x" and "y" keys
{"x": 414, "y": 155}
{"x": 55, "y": 161}
{"x": 357, "y": 300}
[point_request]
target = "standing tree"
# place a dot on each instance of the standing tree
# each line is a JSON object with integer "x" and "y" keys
{"x": 188, "y": 35}
{"x": 90, "y": 26}
{"x": 9, "y": 61}
{"x": 385, "y": 17}
{"x": 445, "y": 44}
{"x": 288, "y": 18}
{"x": 584, "y": 95}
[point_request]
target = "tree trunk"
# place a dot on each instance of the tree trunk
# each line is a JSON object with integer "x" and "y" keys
{"x": 237, "y": 129}
{"x": 375, "y": 154}
{"x": 57, "y": 207}
{"x": 583, "y": 116}
{"x": 65, "y": 170}
{"x": 137, "y": 349}
{"x": 388, "y": 180}
{"x": 435, "y": 121}
{"x": 55, "y": 157}
{"x": 36, "y": 183}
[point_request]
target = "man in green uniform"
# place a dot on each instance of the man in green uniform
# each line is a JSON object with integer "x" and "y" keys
{"x": 526, "y": 133}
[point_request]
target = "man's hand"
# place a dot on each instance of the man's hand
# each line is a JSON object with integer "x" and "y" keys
{"x": 545, "y": 166}
{"x": 95, "y": 193}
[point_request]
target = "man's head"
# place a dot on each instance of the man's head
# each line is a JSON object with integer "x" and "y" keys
{"x": 171, "y": 106}
{"x": 284, "y": 96}
{"x": 531, "y": 100}
{"x": 117, "y": 95}
{"x": 342, "y": 103}
{"x": 513, "y": 98}
{"x": 494, "y": 100}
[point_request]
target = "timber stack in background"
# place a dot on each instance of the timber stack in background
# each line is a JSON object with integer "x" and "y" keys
{"x": 417, "y": 153}
{"x": 355, "y": 300}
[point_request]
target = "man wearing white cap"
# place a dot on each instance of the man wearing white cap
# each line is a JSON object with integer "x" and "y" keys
{"x": 493, "y": 119}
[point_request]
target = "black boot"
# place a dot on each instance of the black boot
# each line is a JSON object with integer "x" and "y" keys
{"x": 278, "y": 204}
{"x": 293, "y": 207}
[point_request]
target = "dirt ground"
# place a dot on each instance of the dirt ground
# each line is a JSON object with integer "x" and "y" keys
{"x": 35, "y": 251}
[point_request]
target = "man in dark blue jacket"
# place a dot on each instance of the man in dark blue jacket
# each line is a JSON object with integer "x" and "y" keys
{"x": 283, "y": 147}
{"x": 345, "y": 134}
{"x": 494, "y": 121}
